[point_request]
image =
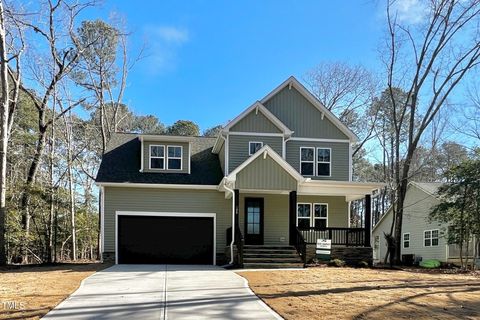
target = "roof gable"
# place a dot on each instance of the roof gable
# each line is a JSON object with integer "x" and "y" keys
{"x": 258, "y": 107}
{"x": 264, "y": 152}
{"x": 308, "y": 114}
{"x": 429, "y": 189}
{"x": 255, "y": 121}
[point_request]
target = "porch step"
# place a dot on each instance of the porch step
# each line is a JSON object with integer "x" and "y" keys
{"x": 269, "y": 246}
{"x": 271, "y": 256}
{"x": 272, "y": 260}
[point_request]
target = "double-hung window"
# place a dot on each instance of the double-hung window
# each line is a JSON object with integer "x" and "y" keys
{"x": 323, "y": 161}
{"x": 307, "y": 161}
{"x": 304, "y": 211}
{"x": 320, "y": 215}
{"x": 254, "y": 146}
{"x": 157, "y": 157}
{"x": 406, "y": 240}
{"x": 312, "y": 215}
{"x": 174, "y": 158}
{"x": 430, "y": 238}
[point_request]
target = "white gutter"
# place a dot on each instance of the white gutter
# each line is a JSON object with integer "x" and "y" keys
{"x": 142, "y": 156}
{"x": 233, "y": 222}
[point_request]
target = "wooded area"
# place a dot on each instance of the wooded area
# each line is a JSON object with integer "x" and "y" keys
{"x": 62, "y": 86}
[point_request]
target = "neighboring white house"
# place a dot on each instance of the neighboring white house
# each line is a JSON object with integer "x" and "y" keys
{"x": 423, "y": 238}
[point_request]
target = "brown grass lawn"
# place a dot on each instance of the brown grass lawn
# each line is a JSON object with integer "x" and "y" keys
{"x": 346, "y": 293}
{"x": 35, "y": 290}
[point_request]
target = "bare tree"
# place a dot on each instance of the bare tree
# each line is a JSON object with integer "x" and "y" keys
{"x": 348, "y": 91}
{"x": 428, "y": 60}
{"x": 103, "y": 71}
{"x": 59, "y": 62}
{"x": 471, "y": 127}
{"x": 11, "y": 49}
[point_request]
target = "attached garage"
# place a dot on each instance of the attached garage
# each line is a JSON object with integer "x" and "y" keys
{"x": 165, "y": 238}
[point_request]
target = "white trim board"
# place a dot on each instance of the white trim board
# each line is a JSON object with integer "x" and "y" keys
{"x": 168, "y": 214}
{"x": 157, "y": 185}
{"x": 318, "y": 140}
{"x": 102, "y": 221}
{"x": 255, "y": 134}
{"x": 142, "y": 157}
{"x": 258, "y": 107}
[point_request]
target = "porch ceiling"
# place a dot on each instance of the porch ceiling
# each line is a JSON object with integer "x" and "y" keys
{"x": 350, "y": 190}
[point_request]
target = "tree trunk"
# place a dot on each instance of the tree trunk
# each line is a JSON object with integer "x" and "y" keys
{"x": 4, "y": 114}
{"x": 52, "y": 185}
{"x": 72, "y": 200}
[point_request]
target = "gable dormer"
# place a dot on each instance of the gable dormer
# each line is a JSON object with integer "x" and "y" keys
{"x": 165, "y": 154}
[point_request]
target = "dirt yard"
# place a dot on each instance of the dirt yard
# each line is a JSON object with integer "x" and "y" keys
{"x": 29, "y": 292}
{"x": 346, "y": 293}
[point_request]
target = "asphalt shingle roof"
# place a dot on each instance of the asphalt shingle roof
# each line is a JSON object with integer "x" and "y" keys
{"x": 121, "y": 163}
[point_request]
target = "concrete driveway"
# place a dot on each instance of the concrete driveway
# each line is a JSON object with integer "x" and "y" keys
{"x": 163, "y": 292}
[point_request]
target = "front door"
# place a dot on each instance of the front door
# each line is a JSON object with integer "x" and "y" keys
{"x": 253, "y": 220}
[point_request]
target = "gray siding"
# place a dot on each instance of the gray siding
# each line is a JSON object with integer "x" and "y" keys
{"x": 337, "y": 208}
{"x": 415, "y": 221}
{"x": 146, "y": 156}
{"x": 339, "y": 157}
{"x": 255, "y": 122}
{"x": 275, "y": 217}
{"x": 265, "y": 174}
{"x": 165, "y": 200}
{"x": 380, "y": 245}
{"x": 238, "y": 148}
{"x": 299, "y": 115}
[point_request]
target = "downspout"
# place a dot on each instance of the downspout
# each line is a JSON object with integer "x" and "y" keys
{"x": 233, "y": 222}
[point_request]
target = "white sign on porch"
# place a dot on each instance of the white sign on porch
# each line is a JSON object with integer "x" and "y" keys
{"x": 323, "y": 249}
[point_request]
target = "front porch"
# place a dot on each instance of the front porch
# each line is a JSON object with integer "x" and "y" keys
{"x": 273, "y": 205}
{"x": 274, "y": 221}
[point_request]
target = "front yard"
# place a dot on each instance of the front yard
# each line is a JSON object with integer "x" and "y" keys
{"x": 347, "y": 293}
{"x": 29, "y": 292}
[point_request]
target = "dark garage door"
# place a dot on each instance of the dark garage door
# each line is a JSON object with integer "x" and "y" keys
{"x": 175, "y": 240}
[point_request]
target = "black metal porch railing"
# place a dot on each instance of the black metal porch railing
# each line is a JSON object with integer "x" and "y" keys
{"x": 301, "y": 245}
{"x": 354, "y": 237}
{"x": 239, "y": 243}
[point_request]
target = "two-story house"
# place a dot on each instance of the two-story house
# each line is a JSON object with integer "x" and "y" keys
{"x": 280, "y": 173}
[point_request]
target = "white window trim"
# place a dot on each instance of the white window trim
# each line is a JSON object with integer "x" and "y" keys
{"x": 312, "y": 224}
{"x": 168, "y": 214}
{"x": 311, "y": 217}
{"x": 312, "y": 162}
{"x": 250, "y": 142}
{"x": 431, "y": 238}
{"x": 181, "y": 157}
{"x": 329, "y": 163}
{"x": 304, "y": 218}
{"x": 409, "y": 240}
{"x": 150, "y": 156}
